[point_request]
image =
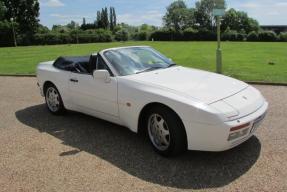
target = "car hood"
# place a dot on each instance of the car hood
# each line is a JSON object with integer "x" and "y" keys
{"x": 201, "y": 85}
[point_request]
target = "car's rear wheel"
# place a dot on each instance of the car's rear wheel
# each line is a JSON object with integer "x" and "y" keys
{"x": 166, "y": 131}
{"x": 54, "y": 100}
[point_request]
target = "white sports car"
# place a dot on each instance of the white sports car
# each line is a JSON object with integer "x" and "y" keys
{"x": 179, "y": 108}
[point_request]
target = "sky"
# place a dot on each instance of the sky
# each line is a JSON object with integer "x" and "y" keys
{"x": 137, "y": 12}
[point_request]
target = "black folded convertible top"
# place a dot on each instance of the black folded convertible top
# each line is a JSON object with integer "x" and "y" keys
{"x": 63, "y": 62}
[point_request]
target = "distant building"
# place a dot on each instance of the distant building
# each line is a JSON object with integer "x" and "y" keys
{"x": 276, "y": 28}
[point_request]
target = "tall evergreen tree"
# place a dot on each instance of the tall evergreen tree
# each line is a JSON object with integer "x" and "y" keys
{"x": 84, "y": 21}
{"x": 111, "y": 19}
{"x": 114, "y": 17}
{"x": 103, "y": 18}
{"x": 99, "y": 20}
{"x": 106, "y": 18}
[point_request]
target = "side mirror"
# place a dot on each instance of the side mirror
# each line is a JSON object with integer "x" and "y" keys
{"x": 103, "y": 75}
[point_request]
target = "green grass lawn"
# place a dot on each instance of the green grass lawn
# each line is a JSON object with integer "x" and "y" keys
{"x": 242, "y": 60}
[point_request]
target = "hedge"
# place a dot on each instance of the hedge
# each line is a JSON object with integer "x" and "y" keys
{"x": 204, "y": 35}
{"x": 66, "y": 38}
{"x": 53, "y": 38}
{"x": 183, "y": 36}
{"x": 140, "y": 36}
{"x": 233, "y": 36}
{"x": 283, "y": 37}
{"x": 122, "y": 35}
{"x": 252, "y": 36}
{"x": 268, "y": 36}
{"x": 6, "y": 34}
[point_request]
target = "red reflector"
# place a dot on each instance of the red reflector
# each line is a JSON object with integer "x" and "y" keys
{"x": 239, "y": 127}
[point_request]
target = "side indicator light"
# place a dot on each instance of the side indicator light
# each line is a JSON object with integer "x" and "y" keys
{"x": 239, "y": 127}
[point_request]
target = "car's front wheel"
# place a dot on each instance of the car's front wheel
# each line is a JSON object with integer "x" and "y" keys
{"x": 166, "y": 131}
{"x": 54, "y": 100}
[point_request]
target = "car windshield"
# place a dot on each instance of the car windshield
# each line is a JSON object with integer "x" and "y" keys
{"x": 133, "y": 60}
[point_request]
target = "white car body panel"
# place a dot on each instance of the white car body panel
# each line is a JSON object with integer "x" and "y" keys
{"x": 195, "y": 83}
{"x": 208, "y": 104}
{"x": 88, "y": 94}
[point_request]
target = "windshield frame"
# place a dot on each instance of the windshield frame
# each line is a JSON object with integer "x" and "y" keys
{"x": 168, "y": 61}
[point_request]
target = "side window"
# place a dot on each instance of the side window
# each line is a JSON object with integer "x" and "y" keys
{"x": 101, "y": 64}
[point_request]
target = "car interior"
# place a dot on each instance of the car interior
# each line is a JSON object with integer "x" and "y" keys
{"x": 82, "y": 64}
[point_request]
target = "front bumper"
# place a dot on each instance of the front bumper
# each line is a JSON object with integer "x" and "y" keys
{"x": 205, "y": 137}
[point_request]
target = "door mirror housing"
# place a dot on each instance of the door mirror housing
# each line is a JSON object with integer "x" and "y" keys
{"x": 103, "y": 75}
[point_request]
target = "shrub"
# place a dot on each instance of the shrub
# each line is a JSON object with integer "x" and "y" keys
{"x": 47, "y": 39}
{"x": 161, "y": 35}
{"x": 233, "y": 36}
{"x": 241, "y": 37}
{"x": 206, "y": 35}
{"x": 140, "y": 36}
{"x": 187, "y": 35}
{"x": 6, "y": 35}
{"x": 190, "y": 34}
{"x": 252, "y": 36}
{"x": 122, "y": 35}
{"x": 229, "y": 36}
{"x": 267, "y": 36}
{"x": 53, "y": 38}
{"x": 283, "y": 37}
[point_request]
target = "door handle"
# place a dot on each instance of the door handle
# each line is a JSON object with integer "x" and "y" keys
{"x": 74, "y": 80}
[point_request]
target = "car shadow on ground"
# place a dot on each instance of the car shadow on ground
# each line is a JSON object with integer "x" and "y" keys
{"x": 134, "y": 155}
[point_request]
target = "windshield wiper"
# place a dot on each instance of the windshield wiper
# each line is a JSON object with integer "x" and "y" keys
{"x": 148, "y": 69}
{"x": 171, "y": 65}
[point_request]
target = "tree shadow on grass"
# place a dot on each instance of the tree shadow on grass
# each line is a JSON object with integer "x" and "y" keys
{"x": 133, "y": 154}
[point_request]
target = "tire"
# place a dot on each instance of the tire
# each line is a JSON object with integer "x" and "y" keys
{"x": 54, "y": 100}
{"x": 165, "y": 131}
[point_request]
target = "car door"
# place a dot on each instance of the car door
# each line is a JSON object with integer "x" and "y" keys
{"x": 94, "y": 96}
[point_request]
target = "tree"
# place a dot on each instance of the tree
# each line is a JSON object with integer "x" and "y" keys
{"x": 72, "y": 25}
{"x": 178, "y": 16}
{"x": 6, "y": 36}
{"x": 84, "y": 21}
{"x": 105, "y": 18}
{"x": 239, "y": 21}
{"x": 203, "y": 14}
{"x": 42, "y": 29}
{"x": 2, "y": 11}
{"x": 114, "y": 17}
{"x": 60, "y": 29}
{"x": 122, "y": 35}
{"x": 25, "y": 13}
{"x": 99, "y": 23}
{"x": 111, "y": 19}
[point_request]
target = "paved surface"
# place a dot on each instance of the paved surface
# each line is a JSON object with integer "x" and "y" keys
{"x": 41, "y": 152}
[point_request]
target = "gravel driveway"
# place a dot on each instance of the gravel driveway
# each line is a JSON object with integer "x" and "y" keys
{"x": 41, "y": 152}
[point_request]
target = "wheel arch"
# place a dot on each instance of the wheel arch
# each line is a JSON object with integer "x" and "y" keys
{"x": 46, "y": 85}
{"x": 146, "y": 108}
